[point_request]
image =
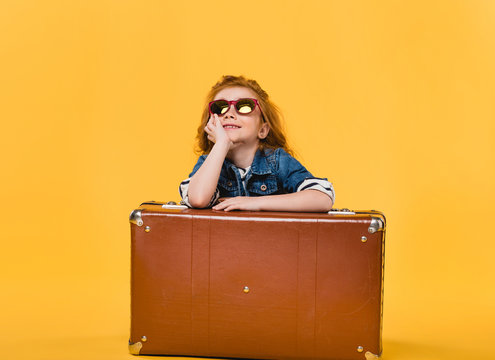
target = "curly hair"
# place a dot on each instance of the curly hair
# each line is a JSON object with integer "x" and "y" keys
{"x": 271, "y": 115}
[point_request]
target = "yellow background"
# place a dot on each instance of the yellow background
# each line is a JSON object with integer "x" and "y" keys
{"x": 393, "y": 101}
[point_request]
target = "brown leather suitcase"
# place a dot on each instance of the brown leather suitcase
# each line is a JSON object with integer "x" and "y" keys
{"x": 264, "y": 285}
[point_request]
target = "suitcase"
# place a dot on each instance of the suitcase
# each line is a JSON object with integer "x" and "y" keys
{"x": 259, "y": 285}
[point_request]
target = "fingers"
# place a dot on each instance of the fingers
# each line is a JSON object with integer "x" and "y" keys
{"x": 227, "y": 208}
{"x": 215, "y": 131}
{"x": 210, "y": 129}
{"x": 211, "y": 135}
{"x": 217, "y": 122}
{"x": 235, "y": 203}
{"x": 209, "y": 125}
{"x": 219, "y": 206}
{"x": 213, "y": 120}
{"x": 224, "y": 204}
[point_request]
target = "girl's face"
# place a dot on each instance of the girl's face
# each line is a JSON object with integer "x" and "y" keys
{"x": 242, "y": 128}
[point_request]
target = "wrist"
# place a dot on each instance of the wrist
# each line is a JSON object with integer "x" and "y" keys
{"x": 223, "y": 145}
{"x": 261, "y": 202}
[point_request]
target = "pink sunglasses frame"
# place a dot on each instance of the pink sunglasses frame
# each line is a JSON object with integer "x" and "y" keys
{"x": 235, "y": 102}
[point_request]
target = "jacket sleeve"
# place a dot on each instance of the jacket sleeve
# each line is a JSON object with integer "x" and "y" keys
{"x": 184, "y": 185}
{"x": 297, "y": 178}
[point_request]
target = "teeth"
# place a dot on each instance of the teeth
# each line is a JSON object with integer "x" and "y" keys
{"x": 231, "y": 127}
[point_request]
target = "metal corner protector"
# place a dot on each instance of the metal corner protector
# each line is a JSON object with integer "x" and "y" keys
{"x": 135, "y": 348}
{"x": 135, "y": 217}
{"x": 370, "y": 356}
{"x": 376, "y": 224}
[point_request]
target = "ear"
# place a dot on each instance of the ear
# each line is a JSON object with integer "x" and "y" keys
{"x": 263, "y": 131}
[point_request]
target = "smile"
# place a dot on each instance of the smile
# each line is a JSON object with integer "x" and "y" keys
{"x": 231, "y": 127}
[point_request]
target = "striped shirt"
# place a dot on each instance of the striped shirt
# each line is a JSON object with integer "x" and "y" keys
{"x": 314, "y": 183}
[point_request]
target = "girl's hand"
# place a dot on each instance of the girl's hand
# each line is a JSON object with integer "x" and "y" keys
{"x": 216, "y": 132}
{"x": 239, "y": 203}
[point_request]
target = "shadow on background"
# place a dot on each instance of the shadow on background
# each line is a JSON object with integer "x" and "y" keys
{"x": 115, "y": 348}
{"x": 398, "y": 350}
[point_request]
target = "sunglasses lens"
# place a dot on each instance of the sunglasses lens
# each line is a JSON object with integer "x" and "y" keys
{"x": 219, "y": 107}
{"x": 245, "y": 106}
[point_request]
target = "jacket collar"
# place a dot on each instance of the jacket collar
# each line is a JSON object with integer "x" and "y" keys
{"x": 260, "y": 164}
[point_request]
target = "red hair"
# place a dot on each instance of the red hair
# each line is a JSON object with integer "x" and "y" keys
{"x": 271, "y": 115}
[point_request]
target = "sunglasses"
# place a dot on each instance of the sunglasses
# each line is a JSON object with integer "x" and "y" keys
{"x": 242, "y": 106}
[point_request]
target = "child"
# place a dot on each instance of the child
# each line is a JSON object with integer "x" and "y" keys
{"x": 246, "y": 163}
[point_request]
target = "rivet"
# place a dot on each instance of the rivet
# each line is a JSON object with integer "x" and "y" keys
{"x": 144, "y": 338}
{"x": 364, "y": 239}
{"x": 263, "y": 187}
{"x": 229, "y": 183}
{"x": 360, "y": 349}
{"x": 147, "y": 229}
{"x": 246, "y": 289}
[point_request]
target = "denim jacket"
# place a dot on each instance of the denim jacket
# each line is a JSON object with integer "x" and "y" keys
{"x": 272, "y": 172}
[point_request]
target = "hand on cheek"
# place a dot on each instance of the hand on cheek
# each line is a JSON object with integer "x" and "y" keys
{"x": 216, "y": 132}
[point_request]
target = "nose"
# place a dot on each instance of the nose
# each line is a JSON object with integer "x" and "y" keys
{"x": 231, "y": 113}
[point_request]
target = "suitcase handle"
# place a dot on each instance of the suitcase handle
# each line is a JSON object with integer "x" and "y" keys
{"x": 167, "y": 205}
